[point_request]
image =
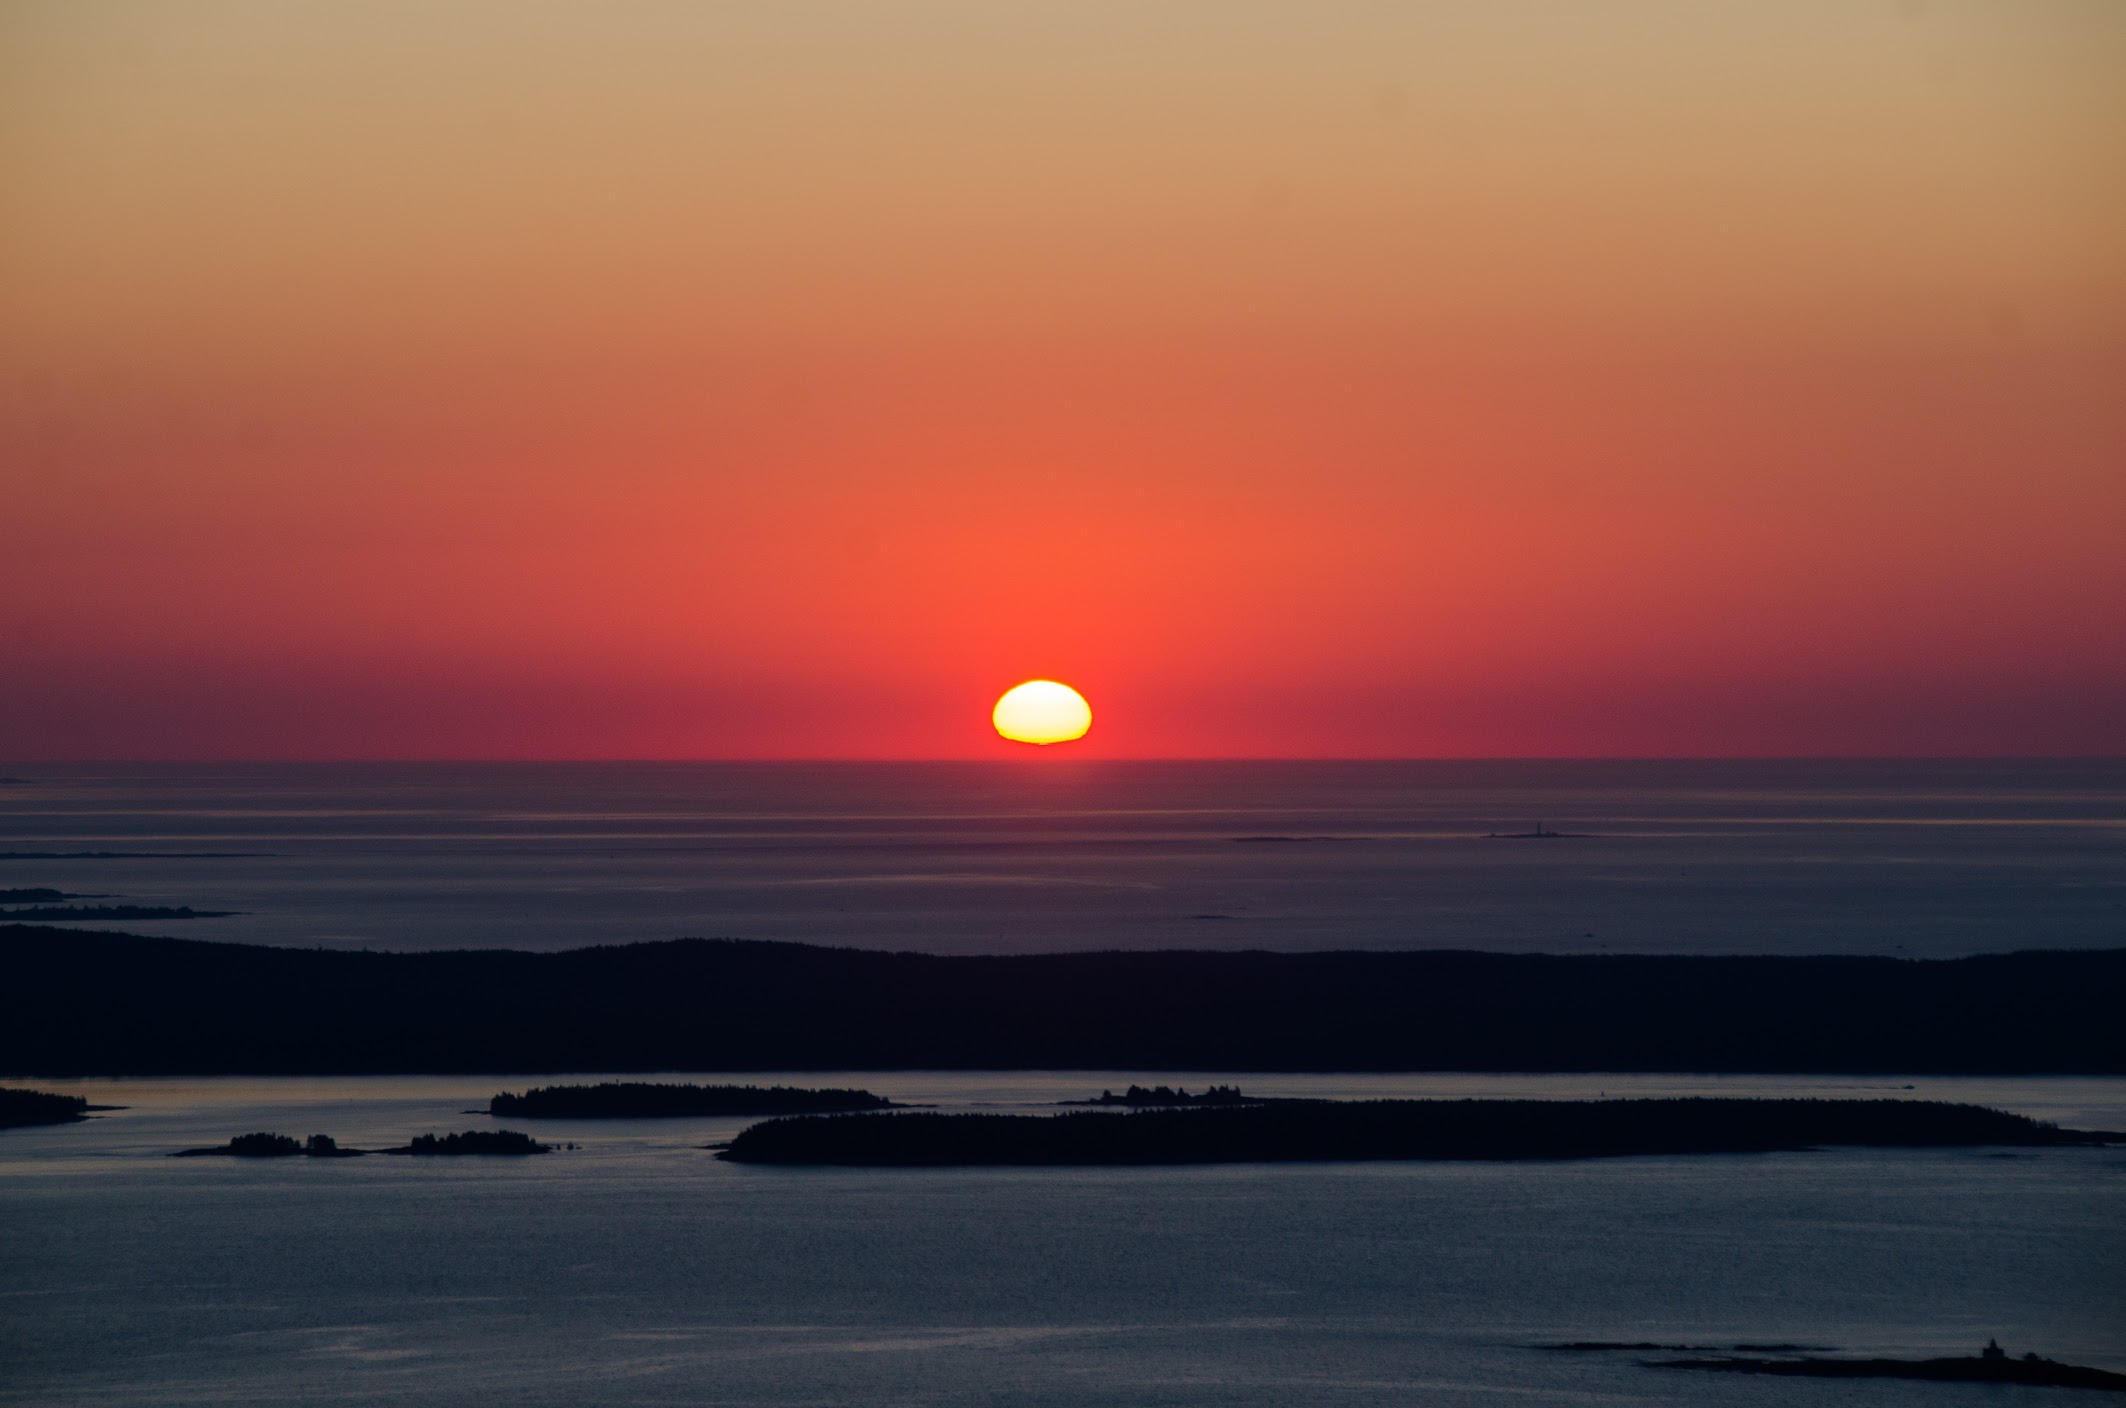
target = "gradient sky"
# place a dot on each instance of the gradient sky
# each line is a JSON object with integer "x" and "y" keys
{"x": 685, "y": 380}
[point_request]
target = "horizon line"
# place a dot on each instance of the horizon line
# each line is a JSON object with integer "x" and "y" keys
{"x": 842, "y": 759}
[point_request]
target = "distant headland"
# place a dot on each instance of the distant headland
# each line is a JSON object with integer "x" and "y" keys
{"x": 96, "y": 1002}
{"x": 29, "y": 1107}
{"x": 1993, "y": 1366}
{"x": 638, "y": 1100}
{"x": 1296, "y": 1130}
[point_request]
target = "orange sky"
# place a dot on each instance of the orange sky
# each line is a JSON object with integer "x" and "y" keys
{"x": 678, "y": 380}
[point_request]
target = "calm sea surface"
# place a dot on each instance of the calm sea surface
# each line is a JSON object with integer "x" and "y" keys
{"x": 640, "y": 1270}
{"x": 1911, "y": 858}
{"x": 637, "y": 1269}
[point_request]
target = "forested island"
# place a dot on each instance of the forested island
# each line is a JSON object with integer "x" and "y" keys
{"x": 274, "y": 1146}
{"x": 1290, "y": 1130}
{"x": 641, "y": 1100}
{"x": 1138, "y": 1096}
{"x": 95, "y": 1002}
{"x": 475, "y": 1141}
{"x": 19, "y": 1108}
{"x": 324, "y": 1146}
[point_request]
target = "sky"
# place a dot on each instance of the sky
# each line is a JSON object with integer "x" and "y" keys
{"x": 508, "y": 379}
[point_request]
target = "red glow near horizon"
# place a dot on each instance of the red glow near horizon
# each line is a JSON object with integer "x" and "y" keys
{"x": 1379, "y": 388}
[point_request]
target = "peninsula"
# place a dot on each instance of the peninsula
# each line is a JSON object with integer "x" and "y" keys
{"x": 1991, "y": 1367}
{"x": 27, "y": 1107}
{"x": 640, "y": 1100}
{"x": 1295, "y": 1130}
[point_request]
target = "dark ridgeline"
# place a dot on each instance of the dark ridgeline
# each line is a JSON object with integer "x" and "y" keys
{"x": 640, "y": 1100}
{"x": 1290, "y": 1130}
{"x": 101, "y": 1002}
{"x": 27, "y": 1107}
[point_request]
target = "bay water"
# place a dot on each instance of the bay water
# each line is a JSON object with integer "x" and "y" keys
{"x": 638, "y": 1269}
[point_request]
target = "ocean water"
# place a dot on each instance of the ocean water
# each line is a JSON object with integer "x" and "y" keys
{"x": 638, "y": 1269}
{"x": 1905, "y": 858}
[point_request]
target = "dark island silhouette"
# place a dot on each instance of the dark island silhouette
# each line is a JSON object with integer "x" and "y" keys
{"x": 323, "y": 1146}
{"x": 1289, "y": 1130}
{"x": 19, "y": 1108}
{"x": 1138, "y": 1096}
{"x": 1990, "y": 1366}
{"x": 95, "y": 1002}
{"x": 474, "y": 1141}
{"x": 274, "y": 1146}
{"x": 37, "y": 896}
{"x": 638, "y": 1100}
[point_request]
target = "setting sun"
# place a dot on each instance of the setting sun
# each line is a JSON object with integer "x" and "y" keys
{"x": 1042, "y": 711}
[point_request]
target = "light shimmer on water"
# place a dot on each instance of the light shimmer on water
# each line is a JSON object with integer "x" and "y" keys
{"x": 1915, "y": 859}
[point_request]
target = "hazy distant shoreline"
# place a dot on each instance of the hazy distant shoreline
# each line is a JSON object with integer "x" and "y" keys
{"x": 110, "y": 1003}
